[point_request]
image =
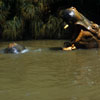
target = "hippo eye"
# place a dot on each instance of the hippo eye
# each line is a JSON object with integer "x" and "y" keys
{"x": 73, "y": 7}
{"x": 71, "y": 13}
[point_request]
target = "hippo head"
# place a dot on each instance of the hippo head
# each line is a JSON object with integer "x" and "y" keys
{"x": 88, "y": 32}
{"x": 15, "y": 48}
{"x": 72, "y": 16}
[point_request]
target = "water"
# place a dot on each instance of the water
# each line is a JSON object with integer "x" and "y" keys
{"x": 44, "y": 74}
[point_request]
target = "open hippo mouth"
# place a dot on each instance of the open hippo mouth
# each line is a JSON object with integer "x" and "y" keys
{"x": 89, "y": 35}
{"x": 72, "y": 16}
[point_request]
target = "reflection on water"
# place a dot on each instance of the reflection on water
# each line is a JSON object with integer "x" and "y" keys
{"x": 44, "y": 74}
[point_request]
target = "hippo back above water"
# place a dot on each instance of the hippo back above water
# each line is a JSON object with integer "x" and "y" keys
{"x": 15, "y": 48}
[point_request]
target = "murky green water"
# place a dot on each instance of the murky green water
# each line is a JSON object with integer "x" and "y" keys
{"x": 43, "y": 74}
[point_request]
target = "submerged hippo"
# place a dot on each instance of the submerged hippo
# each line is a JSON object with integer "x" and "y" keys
{"x": 15, "y": 48}
{"x": 87, "y": 33}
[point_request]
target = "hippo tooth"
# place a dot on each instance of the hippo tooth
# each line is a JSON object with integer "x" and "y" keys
{"x": 66, "y": 26}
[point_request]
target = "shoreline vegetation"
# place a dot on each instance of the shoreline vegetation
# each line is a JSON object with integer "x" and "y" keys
{"x": 40, "y": 19}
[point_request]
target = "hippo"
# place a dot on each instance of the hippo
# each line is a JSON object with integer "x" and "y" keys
{"x": 86, "y": 33}
{"x": 15, "y": 48}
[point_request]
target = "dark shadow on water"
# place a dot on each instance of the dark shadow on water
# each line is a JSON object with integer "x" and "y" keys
{"x": 55, "y": 48}
{"x": 46, "y": 49}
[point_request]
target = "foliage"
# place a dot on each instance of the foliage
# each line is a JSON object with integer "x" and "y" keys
{"x": 13, "y": 29}
{"x": 28, "y": 11}
{"x": 3, "y": 13}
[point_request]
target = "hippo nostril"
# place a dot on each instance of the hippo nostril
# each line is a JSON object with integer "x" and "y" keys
{"x": 95, "y": 26}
